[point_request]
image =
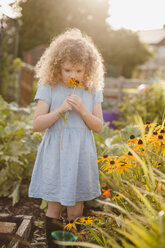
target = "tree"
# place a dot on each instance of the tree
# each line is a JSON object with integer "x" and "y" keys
{"x": 124, "y": 49}
{"x": 10, "y": 12}
{"x": 42, "y": 20}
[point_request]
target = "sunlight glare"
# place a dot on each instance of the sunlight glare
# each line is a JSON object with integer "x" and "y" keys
{"x": 137, "y": 14}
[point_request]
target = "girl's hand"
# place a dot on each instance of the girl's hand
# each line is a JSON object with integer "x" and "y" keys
{"x": 76, "y": 102}
{"x": 65, "y": 106}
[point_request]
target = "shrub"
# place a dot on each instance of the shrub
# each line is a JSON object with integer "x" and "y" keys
{"x": 18, "y": 148}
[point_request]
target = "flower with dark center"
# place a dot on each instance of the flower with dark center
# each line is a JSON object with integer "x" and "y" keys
{"x": 129, "y": 153}
{"x": 105, "y": 156}
{"x": 132, "y": 136}
{"x": 162, "y": 131}
{"x": 155, "y": 133}
{"x": 112, "y": 162}
{"x": 140, "y": 142}
{"x": 117, "y": 196}
{"x": 160, "y": 137}
{"x": 149, "y": 124}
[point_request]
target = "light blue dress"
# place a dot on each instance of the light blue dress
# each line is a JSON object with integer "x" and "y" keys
{"x": 70, "y": 174}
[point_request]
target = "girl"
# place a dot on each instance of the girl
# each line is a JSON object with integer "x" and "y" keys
{"x": 68, "y": 176}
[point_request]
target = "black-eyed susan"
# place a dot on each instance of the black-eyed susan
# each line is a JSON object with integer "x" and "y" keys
{"x": 111, "y": 163}
{"x": 127, "y": 157}
{"x": 149, "y": 124}
{"x": 139, "y": 145}
{"x": 103, "y": 158}
{"x": 155, "y": 133}
{"x": 111, "y": 166}
{"x": 117, "y": 197}
{"x": 71, "y": 225}
{"x": 157, "y": 165}
{"x": 162, "y": 132}
{"x": 158, "y": 128}
{"x": 74, "y": 83}
{"x": 123, "y": 166}
{"x": 106, "y": 192}
{"x": 157, "y": 143}
{"x": 87, "y": 220}
{"x": 131, "y": 140}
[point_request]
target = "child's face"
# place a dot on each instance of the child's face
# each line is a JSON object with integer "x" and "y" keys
{"x": 68, "y": 71}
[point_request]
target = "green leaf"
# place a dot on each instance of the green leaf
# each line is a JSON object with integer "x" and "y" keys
{"x": 62, "y": 116}
{"x": 44, "y": 204}
{"x": 15, "y": 194}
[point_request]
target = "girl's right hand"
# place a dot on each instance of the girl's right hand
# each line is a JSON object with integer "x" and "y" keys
{"x": 65, "y": 106}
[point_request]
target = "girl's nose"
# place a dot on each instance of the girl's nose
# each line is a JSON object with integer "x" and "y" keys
{"x": 73, "y": 74}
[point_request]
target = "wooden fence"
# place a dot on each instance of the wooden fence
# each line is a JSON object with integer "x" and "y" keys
{"x": 116, "y": 88}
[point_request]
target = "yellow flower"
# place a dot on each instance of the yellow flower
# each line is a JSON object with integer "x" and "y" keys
{"x": 70, "y": 225}
{"x": 149, "y": 124}
{"x": 127, "y": 157}
{"x": 123, "y": 166}
{"x": 131, "y": 140}
{"x": 103, "y": 158}
{"x": 157, "y": 143}
{"x": 158, "y": 165}
{"x": 162, "y": 132}
{"x": 74, "y": 83}
{"x": 139, "y": 145}
{"x": 110, "y": 164}
{"x": 117, "y": 197}
{"x": 87, "y": 220}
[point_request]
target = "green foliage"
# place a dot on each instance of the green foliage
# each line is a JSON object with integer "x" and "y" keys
{"x": 137, "y": 219}
{"x": 100, "y": 138}
{"x": 18, "y": 147}
{"x": 122, "y": 49}
{"x": 149, "y": 104}
{"x": 9, "y": 74}
{"x": 62, "y": 14}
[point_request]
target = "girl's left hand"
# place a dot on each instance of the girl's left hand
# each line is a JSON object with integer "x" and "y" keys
{"x": 76, "y": 102}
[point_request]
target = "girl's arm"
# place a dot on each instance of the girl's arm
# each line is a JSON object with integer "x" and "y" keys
{"x": 43, "y": 119}
{"x": 93, "y": 120}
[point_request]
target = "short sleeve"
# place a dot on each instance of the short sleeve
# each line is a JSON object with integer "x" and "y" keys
{"x": 43, "y": 93}
{"x": 98, "y": 97}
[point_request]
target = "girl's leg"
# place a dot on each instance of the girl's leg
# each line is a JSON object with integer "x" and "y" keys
{"x": 53, "y": 221}
{"x": 54, "y": 210}
{"x": 75, "y": 211}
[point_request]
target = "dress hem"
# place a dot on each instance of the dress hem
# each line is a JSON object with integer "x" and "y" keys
{"x": 64, "y": 203}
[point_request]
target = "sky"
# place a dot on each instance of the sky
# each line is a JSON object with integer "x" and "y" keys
{"x": 137, "y": 14}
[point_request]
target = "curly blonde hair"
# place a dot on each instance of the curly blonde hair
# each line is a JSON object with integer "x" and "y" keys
{"x": 77, "y": 48}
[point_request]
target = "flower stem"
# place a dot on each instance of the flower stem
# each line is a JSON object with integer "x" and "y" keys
{"x": 65, "y": 118}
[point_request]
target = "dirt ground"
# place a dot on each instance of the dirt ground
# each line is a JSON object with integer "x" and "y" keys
{"x": 30, "y": 206}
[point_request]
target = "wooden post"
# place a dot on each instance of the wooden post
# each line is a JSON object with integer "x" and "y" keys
{"x": 26, "y": 85}
{"x": 120, "y": 89}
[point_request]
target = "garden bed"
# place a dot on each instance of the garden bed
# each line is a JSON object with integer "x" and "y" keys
{"x": 31, "y": 207}
{"x": 28, "y": 207}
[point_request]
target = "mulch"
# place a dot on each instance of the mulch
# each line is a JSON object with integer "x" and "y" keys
{"x": 31, "y": 206}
